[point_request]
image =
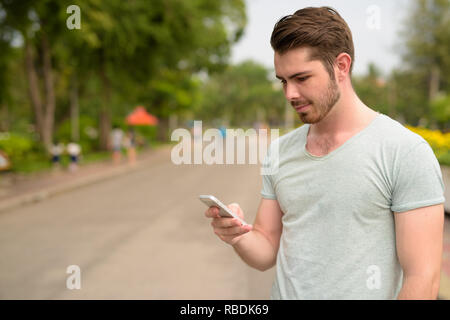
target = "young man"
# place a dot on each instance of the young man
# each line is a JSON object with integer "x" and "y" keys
{"x": 355, "y": 207}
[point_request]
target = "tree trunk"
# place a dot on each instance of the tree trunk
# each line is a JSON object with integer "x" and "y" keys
{"x": 105, "y": 128}
{"x": 433, "y": 91}
{"x": 163, "y": 130}
{"x": 4, "y": 116}
{"x": 173, "y": 122}
{"x": 434, "y": 83}
{"x": 33, "y": 88}
{"x": 49, "y": 115}
{"x": 74, "y": 110}
{"x": 105, "y": 114}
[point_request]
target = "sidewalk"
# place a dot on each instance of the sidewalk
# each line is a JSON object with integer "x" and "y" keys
{"x": 16, "y": 190}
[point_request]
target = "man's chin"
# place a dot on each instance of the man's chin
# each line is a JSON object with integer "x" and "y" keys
{"x": 312, "y": 117}
{"x": 307, "y": 118}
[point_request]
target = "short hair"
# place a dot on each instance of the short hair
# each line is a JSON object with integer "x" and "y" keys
{"x": 321, "y": 29}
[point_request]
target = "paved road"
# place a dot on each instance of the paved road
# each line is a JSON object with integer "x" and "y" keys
{"x": 141, "y": 235}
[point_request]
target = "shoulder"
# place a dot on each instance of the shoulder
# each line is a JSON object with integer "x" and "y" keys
{"x": 395, "y": 137}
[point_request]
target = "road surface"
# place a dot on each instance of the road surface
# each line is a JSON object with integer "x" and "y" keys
{"x": 141, "y": 235}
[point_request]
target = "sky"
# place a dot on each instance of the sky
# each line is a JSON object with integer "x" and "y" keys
{"x": 374, "y": 24}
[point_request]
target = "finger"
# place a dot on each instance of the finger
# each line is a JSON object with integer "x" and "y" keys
{"x": 225, "y": 222}
{"x": 229, "y": 238}
{"x": 232, "y": 231}
{"x": 212, "y": 212}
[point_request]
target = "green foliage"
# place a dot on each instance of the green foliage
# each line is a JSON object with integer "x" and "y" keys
{"x": 88, "y": 134}
{"x": 444, "y": 159}
{"x": 126, "y": 53}
{"x": 145, "y": 135}
{"x": 426, "y": 35}
{"x": 440, "y": 109}
{"x": 409, "y": 92}
{"x": 241, "y": 95}
{"x": 372, "y": 90}
{"x": 16, "y": 146}
{"x": 171, "y": 92}
{"x": 426, "y": 62}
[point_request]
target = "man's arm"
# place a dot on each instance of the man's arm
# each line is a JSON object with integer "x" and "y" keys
{"x": 419, "y": 237}
{"x": 257, "y": 245}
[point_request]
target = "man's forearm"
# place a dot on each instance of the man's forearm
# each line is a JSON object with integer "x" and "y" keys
{"x": 419, "y": 288}
{"x": 256, "y": 250}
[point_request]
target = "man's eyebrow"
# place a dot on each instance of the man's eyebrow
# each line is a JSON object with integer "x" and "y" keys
{"x": 294, "y": 75}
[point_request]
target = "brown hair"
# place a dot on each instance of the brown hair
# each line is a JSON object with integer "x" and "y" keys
{"x": 322, "y": 29}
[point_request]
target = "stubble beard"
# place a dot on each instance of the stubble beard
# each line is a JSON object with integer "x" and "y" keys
{"x": 320, "y": 109}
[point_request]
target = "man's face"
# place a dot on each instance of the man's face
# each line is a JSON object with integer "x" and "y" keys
{"x": 306, "y": 84}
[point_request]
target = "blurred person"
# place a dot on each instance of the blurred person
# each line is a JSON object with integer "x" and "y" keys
{"x": 116, "y": 139}
{"x": 56, "y": 150}
{"x": 355, "y": 207}
{"x": 74, "y": 151}
{"x": 130, "y": 145}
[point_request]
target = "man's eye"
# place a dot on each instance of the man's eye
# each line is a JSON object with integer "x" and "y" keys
{"x": 303, "y": 78}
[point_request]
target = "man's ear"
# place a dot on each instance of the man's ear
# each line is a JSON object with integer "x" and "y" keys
{"x": 342, "y": 66}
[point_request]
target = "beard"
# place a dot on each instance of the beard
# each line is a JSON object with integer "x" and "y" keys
{"x": 320, "y": 108}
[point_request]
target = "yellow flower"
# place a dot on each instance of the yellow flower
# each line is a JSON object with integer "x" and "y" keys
{"x": 439, "y": 141}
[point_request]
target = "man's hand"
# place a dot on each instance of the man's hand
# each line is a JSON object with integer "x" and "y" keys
{"x": 229, "y": 230}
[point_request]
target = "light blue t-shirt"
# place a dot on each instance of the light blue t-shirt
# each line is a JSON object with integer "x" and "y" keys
{"x": 338, "y": 239}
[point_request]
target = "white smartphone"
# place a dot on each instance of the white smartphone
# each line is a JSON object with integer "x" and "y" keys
{"x": 212, "y": 201}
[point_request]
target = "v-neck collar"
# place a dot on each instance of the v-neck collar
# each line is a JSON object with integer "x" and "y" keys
{"x": 343, "y": 146}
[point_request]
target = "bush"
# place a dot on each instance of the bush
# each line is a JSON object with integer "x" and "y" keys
{"x": 16, "y": 146}
{"x": 440, "y": 108}
{"x": 88, "y": 134}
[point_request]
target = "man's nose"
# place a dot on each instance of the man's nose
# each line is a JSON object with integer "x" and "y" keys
{"x": 291, "y": 92}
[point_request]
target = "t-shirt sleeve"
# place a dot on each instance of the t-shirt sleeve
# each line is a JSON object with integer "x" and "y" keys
{"x": 417, "y": 180}
{"x": 267, "y": 190}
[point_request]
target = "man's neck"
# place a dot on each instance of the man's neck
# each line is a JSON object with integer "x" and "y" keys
{"x": 348, "y": 116}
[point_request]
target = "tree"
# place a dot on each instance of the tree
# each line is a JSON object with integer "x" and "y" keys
{"x": 426, "y": 37}
{"x": 122, "y": 48}
{"x": 242, "y": 95}
{"x": 39, "y": 28}
{"x": 408, "y": 95}
{"x": 137, "y": 41}
{"x": 440, "y": 108}
{"x": 373, "y": 90}
{"x": 5, "y": 79}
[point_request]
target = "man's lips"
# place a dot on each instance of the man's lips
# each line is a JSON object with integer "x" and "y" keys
{"x": 301, "y": 107}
